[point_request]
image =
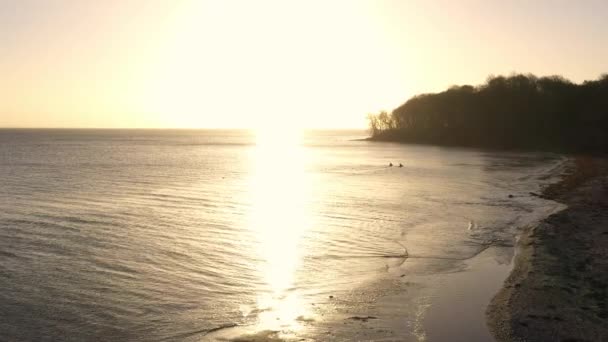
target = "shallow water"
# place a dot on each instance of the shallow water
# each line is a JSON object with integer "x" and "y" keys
{"x": 195, "y": 235}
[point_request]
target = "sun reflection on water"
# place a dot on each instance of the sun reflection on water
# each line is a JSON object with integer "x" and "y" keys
{"x": 279, "y": 217}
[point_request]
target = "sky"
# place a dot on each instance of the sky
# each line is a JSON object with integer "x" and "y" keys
{"x": 252, "y": 64}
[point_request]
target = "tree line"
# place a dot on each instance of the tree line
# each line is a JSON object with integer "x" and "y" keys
{"x": 517, "y": 111}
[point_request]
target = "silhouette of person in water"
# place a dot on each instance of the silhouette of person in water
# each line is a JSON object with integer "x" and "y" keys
{"x": 390, "y": 164}
{"x": 400, "y": 165}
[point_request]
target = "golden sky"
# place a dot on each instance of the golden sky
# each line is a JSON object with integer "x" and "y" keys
{"x": 244, "y": 64}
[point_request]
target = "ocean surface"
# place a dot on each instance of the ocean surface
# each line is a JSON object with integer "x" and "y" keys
{"x": 196, "y": 235}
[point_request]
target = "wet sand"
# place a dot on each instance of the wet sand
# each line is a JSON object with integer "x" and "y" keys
{"x": 558, "y": 290}
{"x": 448, "y": 306}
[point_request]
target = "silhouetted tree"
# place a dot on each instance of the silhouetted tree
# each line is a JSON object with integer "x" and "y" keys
{"x": 518, "y": 111}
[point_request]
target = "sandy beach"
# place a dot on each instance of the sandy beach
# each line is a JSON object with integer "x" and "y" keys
{"x": 558, "y": 289}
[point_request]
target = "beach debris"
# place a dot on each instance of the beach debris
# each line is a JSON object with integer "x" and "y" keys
{"x": 362, "y": 318}
{"x": 305, "y": 319}
{"x": 472, "y": 225}
{"x": 534, "y": 194}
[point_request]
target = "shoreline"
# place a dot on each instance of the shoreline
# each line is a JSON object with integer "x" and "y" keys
{"x": 558, "y": 288}
{"x": 487, "y": 147}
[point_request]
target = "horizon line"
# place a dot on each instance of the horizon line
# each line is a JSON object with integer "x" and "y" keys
{"x": 177, "y": 128}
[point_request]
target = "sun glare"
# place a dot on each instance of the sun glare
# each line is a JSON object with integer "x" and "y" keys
{"x": 279, "y": 217}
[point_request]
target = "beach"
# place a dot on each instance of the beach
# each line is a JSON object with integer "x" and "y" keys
{"x": 558, "y": 289}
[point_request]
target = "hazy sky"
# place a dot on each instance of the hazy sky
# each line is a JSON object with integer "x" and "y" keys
{"x": 204, "y": 63}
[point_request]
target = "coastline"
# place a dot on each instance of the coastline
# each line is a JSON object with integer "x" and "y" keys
{"x": 558, "y": 288}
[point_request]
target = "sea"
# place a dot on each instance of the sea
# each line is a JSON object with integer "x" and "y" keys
{"x": 236, "y": 235}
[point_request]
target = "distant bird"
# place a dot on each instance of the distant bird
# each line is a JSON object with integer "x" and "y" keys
{"x": 390, "y": 164}
{"x": 400, "y": 165}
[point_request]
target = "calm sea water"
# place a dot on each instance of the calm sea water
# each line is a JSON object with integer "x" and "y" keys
{"x": 153, "y": 235}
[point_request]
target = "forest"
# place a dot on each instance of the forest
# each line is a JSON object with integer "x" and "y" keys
{"x": 513, "y": 112}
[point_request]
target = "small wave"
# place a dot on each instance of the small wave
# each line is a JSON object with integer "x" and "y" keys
{"x": 201, "y": 332}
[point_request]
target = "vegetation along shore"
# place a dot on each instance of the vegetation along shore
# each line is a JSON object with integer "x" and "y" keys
{"x": 518, "y": 112}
